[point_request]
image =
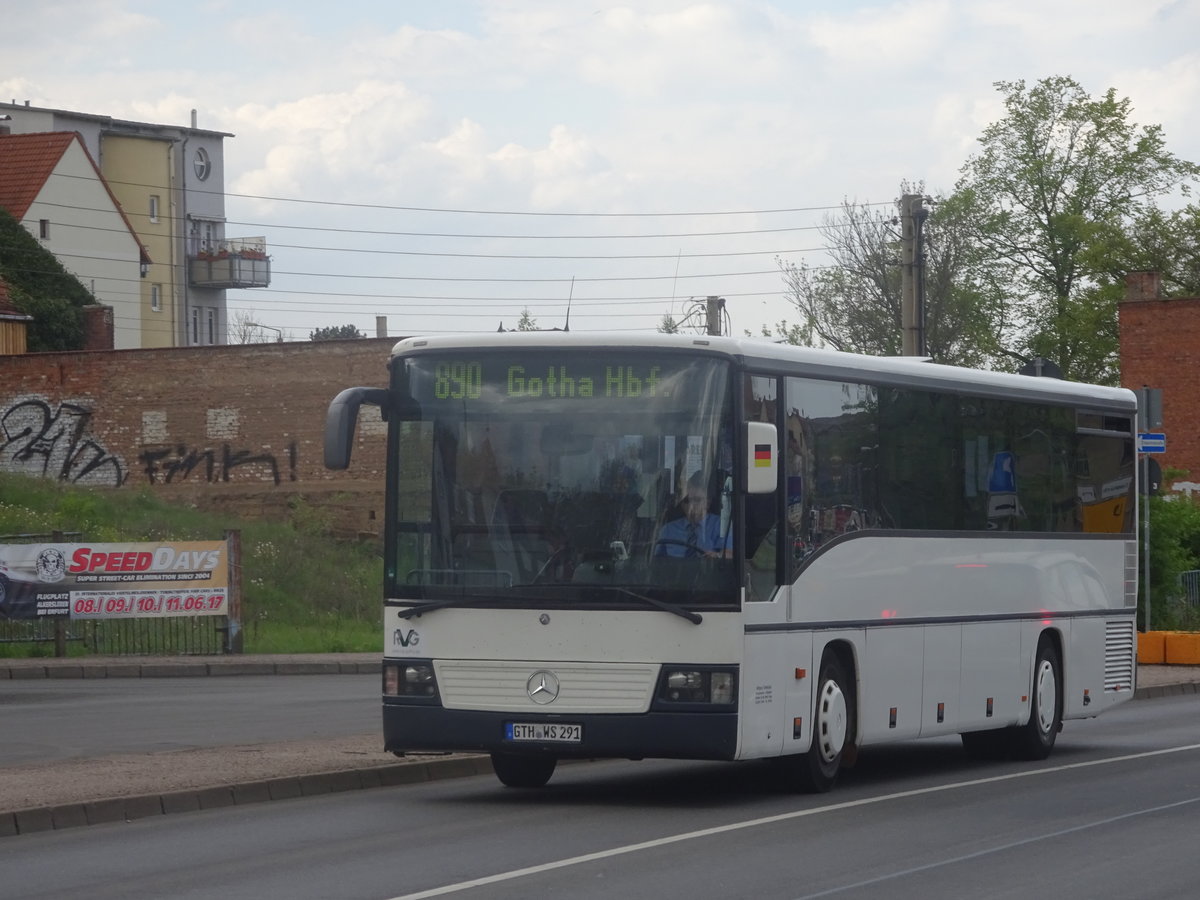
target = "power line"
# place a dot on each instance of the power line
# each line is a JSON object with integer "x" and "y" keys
{"x": 469, "y": 236}
{"x": 493, "y": 212}
{"x": 506, "y": 279}
{"x": 424, "y": 296}
{"x": 446, "y": 254}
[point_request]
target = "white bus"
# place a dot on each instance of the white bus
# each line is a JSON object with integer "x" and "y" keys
{"x": 689, "y": 547}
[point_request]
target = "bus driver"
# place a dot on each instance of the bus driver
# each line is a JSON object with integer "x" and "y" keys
{"x": 697, "y": 532}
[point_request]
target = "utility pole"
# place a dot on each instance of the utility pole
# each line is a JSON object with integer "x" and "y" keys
{"x": 714, "y": 306}
{"x": 912, "y": 274}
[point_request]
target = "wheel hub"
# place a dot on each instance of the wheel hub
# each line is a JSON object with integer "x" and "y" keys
{"x": 1045, "y": 696}
{"x": 831, "y": 721}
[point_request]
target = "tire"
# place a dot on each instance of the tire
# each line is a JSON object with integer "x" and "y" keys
{"x": 523, "y": 771}
{"x": 1035, "y": 739}
{"x": 816, "y": 771}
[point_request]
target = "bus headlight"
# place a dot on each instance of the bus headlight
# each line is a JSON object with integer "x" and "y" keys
{"x": 410, "y": 679}
{"x": 721, "y": 687}
{"x": 695, "y": 684}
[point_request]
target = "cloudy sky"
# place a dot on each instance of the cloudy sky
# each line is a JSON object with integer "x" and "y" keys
{"x": 449, "y": 163}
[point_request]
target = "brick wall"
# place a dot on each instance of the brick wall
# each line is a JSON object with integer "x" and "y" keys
{"x": 98, "y": 327}
{"x": 1160, "y": 347}
{"x": 238, "y": 426}
{"x": 241, "y": 427}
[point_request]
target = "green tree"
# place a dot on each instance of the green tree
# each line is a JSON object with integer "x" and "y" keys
{"x": 1053, "y": 192}
{"x": 335, "y": 333}
{"x": 39, "y": 286}
{"x": 527, "y": 322}
{"x": 1167, "y": 243}
{"x": 854, "y": 304}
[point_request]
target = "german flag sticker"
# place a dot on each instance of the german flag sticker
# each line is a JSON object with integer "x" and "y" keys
{"x": 762, "y": 456}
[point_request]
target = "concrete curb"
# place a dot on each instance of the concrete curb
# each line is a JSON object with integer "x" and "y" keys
{"x": 1166, "y": 690}
{"x": 127, "y": 809}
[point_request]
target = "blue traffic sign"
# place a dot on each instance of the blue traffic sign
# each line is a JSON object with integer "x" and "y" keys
{"x": 1151, "y": 442}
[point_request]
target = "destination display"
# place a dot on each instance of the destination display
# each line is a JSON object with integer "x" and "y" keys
{"x": 581, "y": 377}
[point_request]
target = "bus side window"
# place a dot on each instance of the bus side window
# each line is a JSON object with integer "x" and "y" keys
{"x": 760, "y": 521}
{"x": 762, "y": 510}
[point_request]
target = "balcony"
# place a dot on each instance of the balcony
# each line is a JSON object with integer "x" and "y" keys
{"x": 237, "y": 263}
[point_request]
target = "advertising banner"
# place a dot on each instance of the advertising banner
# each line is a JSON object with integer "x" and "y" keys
{"x": 105, "y": 581}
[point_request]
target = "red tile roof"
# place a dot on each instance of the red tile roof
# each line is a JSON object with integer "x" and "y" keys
{"x": 28, "y": 160}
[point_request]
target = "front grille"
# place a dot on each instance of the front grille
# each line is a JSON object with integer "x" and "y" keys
{"x": 583, "y": 687}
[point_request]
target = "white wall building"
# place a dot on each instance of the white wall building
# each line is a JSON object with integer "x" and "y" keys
{"x": 50, "y": 183}
{"x": 170, "y": 181}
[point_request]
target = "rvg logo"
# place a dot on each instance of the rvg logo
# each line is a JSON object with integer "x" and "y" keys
{"x": 406, "y": 639}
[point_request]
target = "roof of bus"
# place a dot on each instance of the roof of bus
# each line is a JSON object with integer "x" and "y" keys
{"x": 823, "y": 363}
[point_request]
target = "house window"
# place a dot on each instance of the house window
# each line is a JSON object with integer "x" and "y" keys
{"x": 195, "y": 326}
{"x": 44, "y": 229}
{"x": 154, "y": 208}
{"x": 201, "y": 164}
{"x": 156, "y": 297}
{"x": 210, "y": 318}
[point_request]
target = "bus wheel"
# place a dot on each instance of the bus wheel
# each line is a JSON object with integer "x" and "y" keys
{"x": 816, "y": 771}
{"x": 1035, "y": 739}
{"x": 523, "y": 771}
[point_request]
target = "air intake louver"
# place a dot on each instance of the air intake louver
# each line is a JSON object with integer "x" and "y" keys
{"x": 1118, "y": 656}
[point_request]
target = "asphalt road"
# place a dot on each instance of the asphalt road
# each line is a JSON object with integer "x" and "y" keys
{"x": 47, "y": 720}
{"x": 1115, "y": 812}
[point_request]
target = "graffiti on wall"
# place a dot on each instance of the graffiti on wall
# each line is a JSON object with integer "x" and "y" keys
{"x": 38, "y": 440}
{"x": 166, "y": 465}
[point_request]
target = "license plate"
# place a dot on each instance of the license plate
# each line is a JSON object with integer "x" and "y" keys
{"x": 544, "y": 731}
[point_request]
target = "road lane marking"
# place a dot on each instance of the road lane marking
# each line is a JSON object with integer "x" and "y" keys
{"x": 1000, "y": 849}
{"x": 771, "y": 820}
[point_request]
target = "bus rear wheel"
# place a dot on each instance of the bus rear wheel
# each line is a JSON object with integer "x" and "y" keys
{"x": 523, "y": 771}
{"x": 816, "y": 771}
{"x": 1035, "y": 739}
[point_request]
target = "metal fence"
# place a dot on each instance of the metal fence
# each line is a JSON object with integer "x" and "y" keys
{"x": 1190, "y": 582}
{"x": 176, "y": 636}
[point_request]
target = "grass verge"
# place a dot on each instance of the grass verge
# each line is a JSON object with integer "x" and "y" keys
{"x": 302, "y": 591}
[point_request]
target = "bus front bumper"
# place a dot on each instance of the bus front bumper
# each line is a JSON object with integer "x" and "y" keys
{"x": 655, "y": 734}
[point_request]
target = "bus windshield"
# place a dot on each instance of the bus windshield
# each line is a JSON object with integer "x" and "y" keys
{"x": 550, "y": 477}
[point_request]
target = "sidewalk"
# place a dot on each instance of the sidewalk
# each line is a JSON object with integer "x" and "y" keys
{"x": 133, "y": 786}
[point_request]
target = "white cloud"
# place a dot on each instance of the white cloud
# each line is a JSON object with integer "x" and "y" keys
{"x": 891, "y": 37}
{"x": 334, "y": 138}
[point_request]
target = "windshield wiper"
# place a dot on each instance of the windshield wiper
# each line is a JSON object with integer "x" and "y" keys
{"x": 694, "y": 617}
{"x": 428, "y": 607}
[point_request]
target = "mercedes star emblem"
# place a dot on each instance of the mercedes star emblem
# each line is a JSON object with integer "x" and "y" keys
{"x": 542, "y": 686}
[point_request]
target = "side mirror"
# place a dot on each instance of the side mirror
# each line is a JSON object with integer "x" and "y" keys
{"x": 341, "y": 419}
{"x": 762, "y": 458}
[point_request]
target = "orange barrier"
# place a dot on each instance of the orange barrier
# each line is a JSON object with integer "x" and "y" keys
{"x": 1151, "y": 648}
{"x": 1181, "y": 648}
